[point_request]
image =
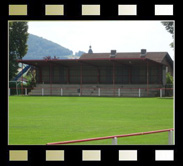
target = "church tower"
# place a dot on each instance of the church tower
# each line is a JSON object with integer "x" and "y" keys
{"x": 90, "y": 50}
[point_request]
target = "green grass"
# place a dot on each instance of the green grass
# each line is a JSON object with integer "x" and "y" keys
{"x": 40, "y": 120}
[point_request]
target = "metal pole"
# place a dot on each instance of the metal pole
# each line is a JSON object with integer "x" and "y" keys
{"x": 26, "y": 91}
{"x": 170, "y": 137}
{"x": 161, "y": 93}
{"x": 9, "y": 91}
{"x": 98, "y": 91}
{"x": 61, "y": 92}
{"x": 139, "y": 92}
{"x": 42, "y": 91}
{"x": 119, "y": 92}
{"x": 114, "y": 141}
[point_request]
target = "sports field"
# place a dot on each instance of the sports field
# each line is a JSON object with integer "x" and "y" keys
{"x": 40, "y": 120}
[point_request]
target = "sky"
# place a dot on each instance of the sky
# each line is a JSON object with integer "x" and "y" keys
{"x": 104, "y": 36}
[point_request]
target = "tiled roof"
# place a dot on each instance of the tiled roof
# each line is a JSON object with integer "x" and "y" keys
{"x": 155, "y": 56}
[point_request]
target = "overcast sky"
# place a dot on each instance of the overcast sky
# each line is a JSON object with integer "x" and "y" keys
{"x": 103, "y": 36}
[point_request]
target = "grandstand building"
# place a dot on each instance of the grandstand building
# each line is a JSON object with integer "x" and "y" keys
{"x": 103, "y": 74}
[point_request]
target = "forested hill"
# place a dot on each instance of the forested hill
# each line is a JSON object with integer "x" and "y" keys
{"x": 39, "y": 47}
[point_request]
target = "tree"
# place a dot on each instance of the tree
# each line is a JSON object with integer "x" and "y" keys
{"x": 18, "y": 36}
{"x": 169, "y": 26}
{"x": 169, "y": 78}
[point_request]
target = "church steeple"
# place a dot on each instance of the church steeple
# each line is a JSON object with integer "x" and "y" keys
{"x": 90, "y": 50}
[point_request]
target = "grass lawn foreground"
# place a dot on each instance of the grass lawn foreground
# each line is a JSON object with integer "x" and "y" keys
{"x": 43, "y": 119}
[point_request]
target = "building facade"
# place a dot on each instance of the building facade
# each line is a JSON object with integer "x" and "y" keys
{"x": 145, "y": 70}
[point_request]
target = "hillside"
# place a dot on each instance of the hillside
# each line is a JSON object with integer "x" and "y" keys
{"x": 39, "y": 47}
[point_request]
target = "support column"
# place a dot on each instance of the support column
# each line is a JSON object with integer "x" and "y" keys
{"x": 81, "y": 78}
{"x": 119, "y": 92}
{"x": 98, "y": 91}
{"x": 160, "y": 75}
{"x": 130, "y": 75}
{"x": 98, "y": 76}
{"x": 139, "y": 92}
{"x": 161, "y": 94}
{"x": 40, "y": 74}
{"x": 147, "y": 78}
{"x": 164, "y": 75}
{"x": 61, "y": 92}
{"x": 113, "y": 79}
{"x": 68, "y": 75}
{"x": 50, "y": 79}
{"x": 26, "y": 91}
{"x": 42, "y": 91}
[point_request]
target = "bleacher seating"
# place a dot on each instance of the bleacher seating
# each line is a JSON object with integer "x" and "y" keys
{"x": 96, "y": 90}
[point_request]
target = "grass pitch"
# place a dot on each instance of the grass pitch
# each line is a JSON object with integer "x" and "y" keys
{"x": 40, "y": 120}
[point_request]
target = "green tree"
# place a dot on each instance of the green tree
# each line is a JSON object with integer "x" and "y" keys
{"x": 169, "y": 78}
{"x": 169, "y": 26}
{"x": 18, "y": 36}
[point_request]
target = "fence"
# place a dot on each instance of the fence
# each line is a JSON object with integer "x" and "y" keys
{"x": 114, "y": 138}
{"x": 93, "y": 91}
{"x": 19, "y": 91}
{"x": 15, "y": 87}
